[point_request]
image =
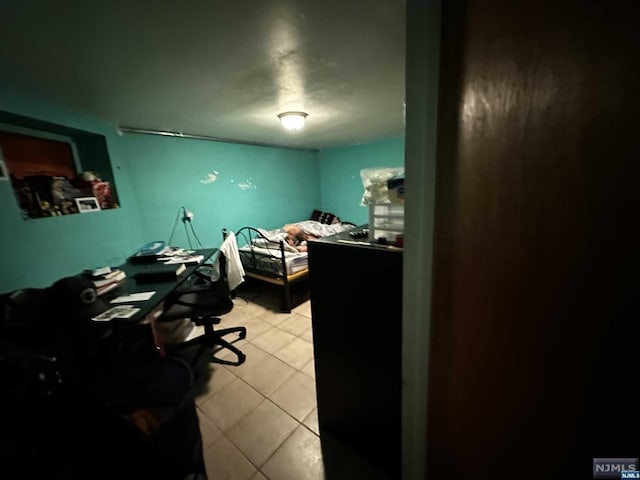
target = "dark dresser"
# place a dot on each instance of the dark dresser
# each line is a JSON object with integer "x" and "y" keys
{"x": 356, "y": 304}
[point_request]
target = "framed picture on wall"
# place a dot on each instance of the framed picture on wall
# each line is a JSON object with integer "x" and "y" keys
{"x": 87, "y": 204}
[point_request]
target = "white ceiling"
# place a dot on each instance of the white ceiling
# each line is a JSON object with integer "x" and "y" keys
{"x": 220, "y": 68}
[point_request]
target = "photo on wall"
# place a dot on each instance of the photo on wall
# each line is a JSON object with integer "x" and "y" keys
{"x": 87, "y": 204}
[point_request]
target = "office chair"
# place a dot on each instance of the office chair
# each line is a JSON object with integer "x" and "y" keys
{"x": 202, "y": 303}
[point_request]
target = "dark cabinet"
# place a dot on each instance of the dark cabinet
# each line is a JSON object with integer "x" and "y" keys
{"x": 356, "y": 302}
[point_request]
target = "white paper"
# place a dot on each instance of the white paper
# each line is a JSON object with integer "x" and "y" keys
{"x": 101, "y": 271}
{"x": 120, "y": 311}
{"x": 127, "y": 313}
{"x": 191, "y": 259}
{"x": 174, "y": 251}
{"x": 134, "y": 297}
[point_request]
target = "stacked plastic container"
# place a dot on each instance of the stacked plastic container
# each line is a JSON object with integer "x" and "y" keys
{"x": 386, "y": 221}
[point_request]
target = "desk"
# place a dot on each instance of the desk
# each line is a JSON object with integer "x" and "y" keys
{"x": 80, "y": 388}
{"x": 163, "y": 289}
{"x": 81, "y": 405}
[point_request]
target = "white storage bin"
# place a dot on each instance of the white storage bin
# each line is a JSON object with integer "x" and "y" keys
{"x": 386, "y": 220}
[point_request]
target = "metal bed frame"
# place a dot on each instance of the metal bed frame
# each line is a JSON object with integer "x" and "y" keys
{"x": 254, "y": 265}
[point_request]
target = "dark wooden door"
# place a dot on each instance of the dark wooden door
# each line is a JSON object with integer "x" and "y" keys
{"x": 535, "y": 347}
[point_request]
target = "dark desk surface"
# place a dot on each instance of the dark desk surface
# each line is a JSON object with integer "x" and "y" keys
{"x": 345, "y": 238}
{"x": 163, "y": 288}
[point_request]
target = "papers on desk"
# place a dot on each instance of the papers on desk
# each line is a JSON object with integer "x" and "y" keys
{"x": 120, "y": 311}
{"x": 97, "y": 272}
{"x": 173, "y": 252}
{"x": 133, "y": 297}
{"x": 181, "y": 259}
{"x": 179, "y": 255}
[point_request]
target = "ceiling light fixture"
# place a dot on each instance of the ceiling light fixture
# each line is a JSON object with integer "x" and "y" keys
{"x": 292, "y": 121}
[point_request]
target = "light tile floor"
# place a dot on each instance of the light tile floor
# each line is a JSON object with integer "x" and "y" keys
{"x": 259, "y": 420}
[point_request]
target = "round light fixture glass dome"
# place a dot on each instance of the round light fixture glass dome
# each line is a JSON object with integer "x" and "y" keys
{"x": 292, "y": 121}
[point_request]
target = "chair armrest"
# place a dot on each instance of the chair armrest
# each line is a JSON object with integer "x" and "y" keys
{"x": 206, "y": 293}
{"x": 202, "y": 276}
{"x": 198, "y": 288}
{"x": 184, "y": 303}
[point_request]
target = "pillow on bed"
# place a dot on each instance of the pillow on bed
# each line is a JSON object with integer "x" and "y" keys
{"x": 324, "y": 217}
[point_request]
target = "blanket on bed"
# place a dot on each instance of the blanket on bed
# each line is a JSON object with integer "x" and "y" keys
{"x": 319, "y": 230}
{"x": 311, "y": 227}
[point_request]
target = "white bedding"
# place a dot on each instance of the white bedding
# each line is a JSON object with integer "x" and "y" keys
{"x": 269, "y": 259}
{"x": 320, "y": 230}
{"x": 312, "y": 227}
{"x": 266, "y": 255}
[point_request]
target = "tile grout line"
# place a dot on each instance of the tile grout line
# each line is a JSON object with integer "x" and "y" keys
{"x": 267, "y": 397}
{"x": 259, "y": 468}
{"x": 264, "y": 397}
{"x": 286, "y": 363}
{"x": 298, "y": 422}
{"x": 281, "y": 443}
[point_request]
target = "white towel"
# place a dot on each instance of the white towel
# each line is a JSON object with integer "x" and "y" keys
{"x": 235, "y": 272}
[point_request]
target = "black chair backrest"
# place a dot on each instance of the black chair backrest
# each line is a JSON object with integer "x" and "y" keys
{"x": 221, "y": 286}
{"x": 222, "y": 261}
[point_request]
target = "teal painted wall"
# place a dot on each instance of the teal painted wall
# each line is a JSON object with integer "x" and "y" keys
{"x": 340, "y": 184}
{"x": 155, "y": 176}
{"x": 37, "y": 252}
{"x": 256, "y": 186}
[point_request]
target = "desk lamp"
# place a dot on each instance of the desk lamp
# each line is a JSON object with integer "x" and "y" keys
{"x": 186, "y": 216}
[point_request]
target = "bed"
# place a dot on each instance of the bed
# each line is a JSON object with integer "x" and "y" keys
{"x": 267, "y": 257}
